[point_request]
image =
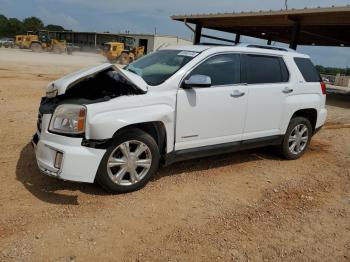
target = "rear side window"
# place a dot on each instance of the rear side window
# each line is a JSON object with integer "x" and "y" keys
{"x": 261, "y": 69}
{"x": 307, "y": 69}
{"x": 223, "y": 69}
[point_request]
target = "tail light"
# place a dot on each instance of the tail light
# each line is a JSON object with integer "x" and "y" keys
{"x": 323, "y": 88}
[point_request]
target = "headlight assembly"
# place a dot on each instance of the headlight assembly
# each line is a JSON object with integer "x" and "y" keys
{"x": 68, "y": 119}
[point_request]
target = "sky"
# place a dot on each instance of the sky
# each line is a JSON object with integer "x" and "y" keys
{"x": 148, "y": 16}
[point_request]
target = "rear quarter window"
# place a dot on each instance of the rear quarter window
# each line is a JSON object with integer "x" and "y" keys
{"x": 307, "y": 69}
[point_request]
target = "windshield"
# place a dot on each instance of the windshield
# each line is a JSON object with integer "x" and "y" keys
{"x": 157, "y": 67}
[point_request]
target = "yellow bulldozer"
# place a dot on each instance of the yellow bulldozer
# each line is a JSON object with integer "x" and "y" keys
{"x": 41, "y": 41}
{"x": 120, "y": 52}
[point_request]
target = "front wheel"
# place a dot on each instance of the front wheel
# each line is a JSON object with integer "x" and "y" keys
{"x": 129, "y": 163}
{"x": 297, "y": 138}
{"x": 36, "y": 47}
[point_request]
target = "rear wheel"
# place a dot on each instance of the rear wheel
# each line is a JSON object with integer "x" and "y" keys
{"x": 129, "y": 162}
{"x": 297, "y": 138}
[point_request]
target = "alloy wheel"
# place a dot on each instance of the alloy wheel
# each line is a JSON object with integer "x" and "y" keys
{"x": 129, "y": 163}
{"x": 298, "y": 139}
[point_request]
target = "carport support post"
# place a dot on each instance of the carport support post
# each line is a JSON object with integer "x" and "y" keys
{"x": 295, "y": 36}
{"x": 269, "y": 41}
{"x": 197, "y": 34}
{"x": 237, "y": 39}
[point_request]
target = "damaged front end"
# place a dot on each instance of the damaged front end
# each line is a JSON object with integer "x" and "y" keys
{"x": 61, "y": 148}
{"x": 92, "y": 85}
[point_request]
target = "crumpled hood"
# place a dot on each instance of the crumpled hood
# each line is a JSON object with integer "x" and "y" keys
{"x": 66, "y": 82}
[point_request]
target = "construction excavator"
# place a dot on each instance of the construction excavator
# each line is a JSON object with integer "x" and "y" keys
{"x": 39, "y": 41}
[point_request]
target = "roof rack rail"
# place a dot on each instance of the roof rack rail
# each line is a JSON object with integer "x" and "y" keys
{"x": 269, "y": 47}
{"x": 214, "y": 44}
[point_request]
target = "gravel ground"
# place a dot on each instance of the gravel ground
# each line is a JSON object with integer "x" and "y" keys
{"x": 247, "y": 206}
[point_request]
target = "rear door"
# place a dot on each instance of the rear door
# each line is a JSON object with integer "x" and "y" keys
{"x": 267, "y": 79}
{"x": 216, "y": 114}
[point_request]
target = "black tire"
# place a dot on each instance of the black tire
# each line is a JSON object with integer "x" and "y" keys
{"x": 285, "y": 146}
{"x": 124, "y": 59}
{"x": 36, "y": 47}
{"x": 69, "y": 51}
{"x": 131, "y": 134}
{"x": 56, "y": 50}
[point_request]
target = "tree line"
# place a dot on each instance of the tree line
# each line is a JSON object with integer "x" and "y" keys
{"x": 10, "y": 27}
{"x": 332, "y": 70}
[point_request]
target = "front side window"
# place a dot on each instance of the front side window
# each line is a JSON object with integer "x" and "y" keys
{"x": 224, "y": 69}
{"x": 157, "y": 67}
{"x": 262, "y": 69}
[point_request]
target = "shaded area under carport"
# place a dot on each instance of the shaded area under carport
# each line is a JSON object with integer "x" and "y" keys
{"x": 315, "y": 26}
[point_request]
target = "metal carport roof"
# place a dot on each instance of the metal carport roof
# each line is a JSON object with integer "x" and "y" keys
{"x": 316, "y": 26}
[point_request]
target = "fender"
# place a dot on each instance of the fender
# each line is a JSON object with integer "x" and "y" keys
{"x": 105, "y": 125}
{"x": 297, "y": 102}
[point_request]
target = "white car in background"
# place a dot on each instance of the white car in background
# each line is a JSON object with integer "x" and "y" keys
{"x": 116, "y": 126}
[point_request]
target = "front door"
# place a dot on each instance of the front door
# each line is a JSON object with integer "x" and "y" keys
{"x": 216, "y": 114}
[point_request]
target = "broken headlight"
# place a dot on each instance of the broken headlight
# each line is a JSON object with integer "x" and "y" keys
{"x": 68, "y": 119}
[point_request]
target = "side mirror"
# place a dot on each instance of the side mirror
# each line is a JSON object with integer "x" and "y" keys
{"x": 197, "y": 81}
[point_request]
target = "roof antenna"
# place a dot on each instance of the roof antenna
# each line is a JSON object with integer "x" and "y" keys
{"x": 286, "y": 4}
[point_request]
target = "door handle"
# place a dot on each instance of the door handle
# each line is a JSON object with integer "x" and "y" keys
{"x": 237, "y": 93}
{"x": 287, "y": 90}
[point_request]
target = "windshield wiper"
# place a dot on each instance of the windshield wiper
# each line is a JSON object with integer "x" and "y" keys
{"x": 132, "y": 70}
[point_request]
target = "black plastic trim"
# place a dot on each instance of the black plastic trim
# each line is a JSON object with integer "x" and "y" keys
{"x": 97, "y": 144}
{"x": 317, "y": 130}
{"x": 35, "y": 139}
{"x": 81, "y": 135}
{"x": 206, "y": 151}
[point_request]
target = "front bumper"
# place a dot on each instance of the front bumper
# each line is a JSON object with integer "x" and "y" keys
{"x": 79, "y": 163}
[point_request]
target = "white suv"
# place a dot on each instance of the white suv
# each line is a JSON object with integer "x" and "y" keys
{"x": 116, "y": 126}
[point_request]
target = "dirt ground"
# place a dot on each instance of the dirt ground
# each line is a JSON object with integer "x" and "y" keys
{"x": 247, "y": 206}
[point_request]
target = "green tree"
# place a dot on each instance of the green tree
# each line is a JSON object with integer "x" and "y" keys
{"x": 10, "y": 27}
{"x": 51, "y": 27}
{"x": 332, "y": 70}
{"x": 3, "y": 25}
{"x": 32, "y": 24}
{"x": 14, "y": 27}
{"x": 3, "y": 20}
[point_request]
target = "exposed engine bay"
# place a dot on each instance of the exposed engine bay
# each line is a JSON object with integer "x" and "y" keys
{"x": 101, "y": 87}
